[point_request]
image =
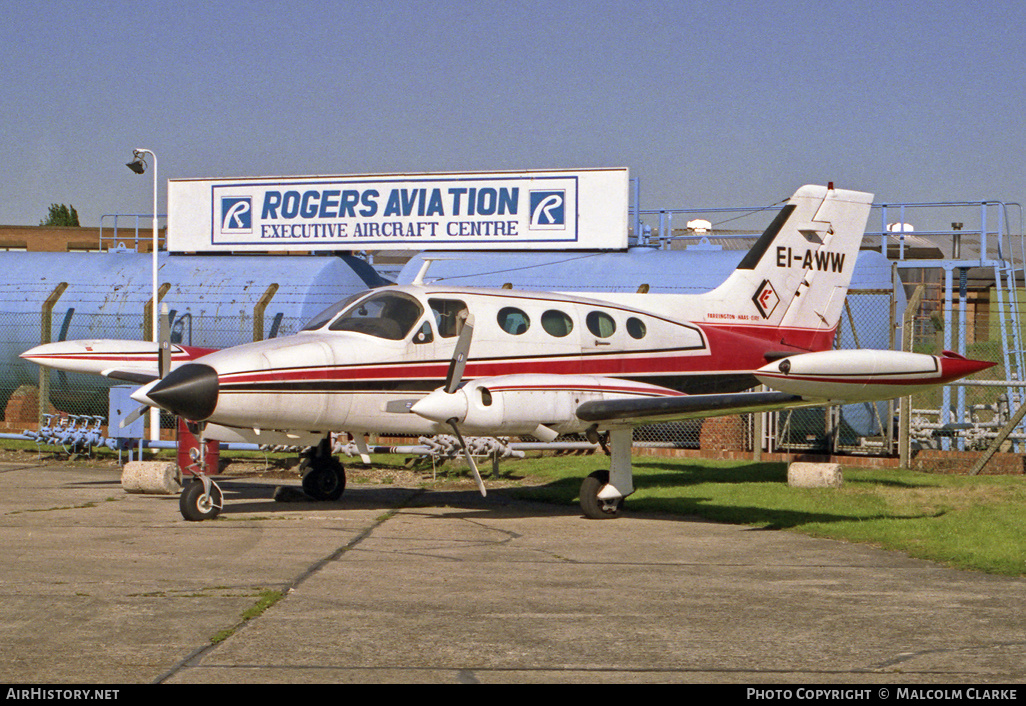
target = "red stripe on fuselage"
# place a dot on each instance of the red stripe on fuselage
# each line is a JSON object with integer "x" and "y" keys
{"x": 637, "y": 391}
{"x": 180, "y": 353}
{"x": 728, "y": 351}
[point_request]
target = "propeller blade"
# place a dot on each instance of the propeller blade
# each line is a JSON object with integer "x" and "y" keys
{"x": 134, "y": 416}
{"x": 470, "y": 459}
{"x": 459, "y": 356}
{"x": 164, "y": 350}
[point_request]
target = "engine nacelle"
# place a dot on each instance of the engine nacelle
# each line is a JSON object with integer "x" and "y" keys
{"x": 541, "y": 405}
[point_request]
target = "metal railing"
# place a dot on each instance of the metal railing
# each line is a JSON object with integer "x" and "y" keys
{"x": 145, "y": 235}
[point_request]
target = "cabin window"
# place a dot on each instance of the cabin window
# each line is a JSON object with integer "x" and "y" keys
{"x": 513, "y": 320}
{"x": 601, "y": 324}
{"x": 449, "y": 316}
{"x": 636, "y": 327}
{"x": 556, "y": 323}
{"x": 389, "y": 315}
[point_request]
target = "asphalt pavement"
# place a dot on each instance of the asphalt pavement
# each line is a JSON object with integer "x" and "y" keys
{"x": 393, "y": 584}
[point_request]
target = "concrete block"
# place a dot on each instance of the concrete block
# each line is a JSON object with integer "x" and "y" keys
{"x": 151, "y": 477}
{"x": 801, "y": 474}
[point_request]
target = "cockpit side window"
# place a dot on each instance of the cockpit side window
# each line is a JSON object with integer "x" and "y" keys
{"x": 389, "y": 315}
{"x": 449, "y": 316}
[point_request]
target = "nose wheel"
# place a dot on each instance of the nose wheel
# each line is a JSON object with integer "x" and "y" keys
{"x": 200, "y": 500}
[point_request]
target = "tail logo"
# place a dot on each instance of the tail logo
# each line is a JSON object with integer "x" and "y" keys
{"x": 765, "y": 299}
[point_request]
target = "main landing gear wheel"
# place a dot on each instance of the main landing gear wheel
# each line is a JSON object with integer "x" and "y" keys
{"x": 325, "y": 479}
{"x": 591, "y": 505}
{"x": 196, "y": 504}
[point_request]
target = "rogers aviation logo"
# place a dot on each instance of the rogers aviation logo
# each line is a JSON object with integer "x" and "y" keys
{"x": 548, "y": 210}
{"x": 236, "y": 214}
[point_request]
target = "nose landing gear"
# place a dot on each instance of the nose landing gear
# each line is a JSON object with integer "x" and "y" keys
{"x": 200, "y": 500}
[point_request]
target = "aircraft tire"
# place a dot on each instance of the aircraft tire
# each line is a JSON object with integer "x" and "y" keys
{"x": 196, "y": 506}
{"x": 325, "y": 480}
{"x": 591, "y": 506}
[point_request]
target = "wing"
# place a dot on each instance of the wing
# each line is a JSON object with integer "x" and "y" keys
{"x": 633, "y": 411}
{"x": 807, "y": 380}
{"x": 549, "y": 403}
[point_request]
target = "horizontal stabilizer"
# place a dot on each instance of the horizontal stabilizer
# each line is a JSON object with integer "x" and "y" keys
{"x": 132, "y": 361}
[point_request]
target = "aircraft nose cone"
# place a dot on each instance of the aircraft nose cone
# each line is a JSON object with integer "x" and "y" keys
{"x": 189, "y": 391}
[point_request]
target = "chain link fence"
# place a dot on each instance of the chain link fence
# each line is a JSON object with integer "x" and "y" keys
{"x": 872, "y": 318}
{"x": 965, "y": 417}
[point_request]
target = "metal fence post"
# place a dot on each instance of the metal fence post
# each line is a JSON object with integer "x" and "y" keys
{"x": 905, "y": 404}
{"x": 46, "y": 336}
{"x": 148, "y": 311}
{"x": 259, "y": 309}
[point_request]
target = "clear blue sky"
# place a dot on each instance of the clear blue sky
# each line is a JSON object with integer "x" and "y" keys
{"x": 710, "y": 104}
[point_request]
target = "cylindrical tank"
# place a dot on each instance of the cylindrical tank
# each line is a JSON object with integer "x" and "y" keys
{"x": 212, "y": 301}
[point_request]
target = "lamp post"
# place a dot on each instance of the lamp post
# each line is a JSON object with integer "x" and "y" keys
{"x": 138, "y": 165}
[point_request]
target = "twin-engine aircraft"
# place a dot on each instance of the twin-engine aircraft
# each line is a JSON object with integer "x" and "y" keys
{"x": 424, "y": 359}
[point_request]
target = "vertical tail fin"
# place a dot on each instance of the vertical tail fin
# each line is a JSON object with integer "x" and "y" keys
{"x": 792, "y": 283}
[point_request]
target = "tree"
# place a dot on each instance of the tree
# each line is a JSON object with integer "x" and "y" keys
{"x": 61, "y": 215}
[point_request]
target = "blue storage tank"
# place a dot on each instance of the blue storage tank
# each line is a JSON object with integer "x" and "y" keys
{"x": 211, "y": 302}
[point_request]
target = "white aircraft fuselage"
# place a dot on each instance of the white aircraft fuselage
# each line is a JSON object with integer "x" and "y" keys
{"x": 324, "y": 379}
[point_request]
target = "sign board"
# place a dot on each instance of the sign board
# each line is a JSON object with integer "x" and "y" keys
{"x": 536, "y": 210}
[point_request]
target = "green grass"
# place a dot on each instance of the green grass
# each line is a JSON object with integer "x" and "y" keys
{"x": 265, "y": 600}
{"x": 971, "y": 522}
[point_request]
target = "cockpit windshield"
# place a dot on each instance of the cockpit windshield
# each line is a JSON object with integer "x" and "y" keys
{"x": 388, "y": 315}
{"x": 331, "y": 312}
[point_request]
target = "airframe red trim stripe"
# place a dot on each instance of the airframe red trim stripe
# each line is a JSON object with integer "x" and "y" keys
{"x": 179, "y": 353}
{"x": 638, "y": 391}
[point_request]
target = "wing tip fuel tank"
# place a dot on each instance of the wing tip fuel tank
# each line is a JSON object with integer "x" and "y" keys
{"x": 863, "y": 375}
